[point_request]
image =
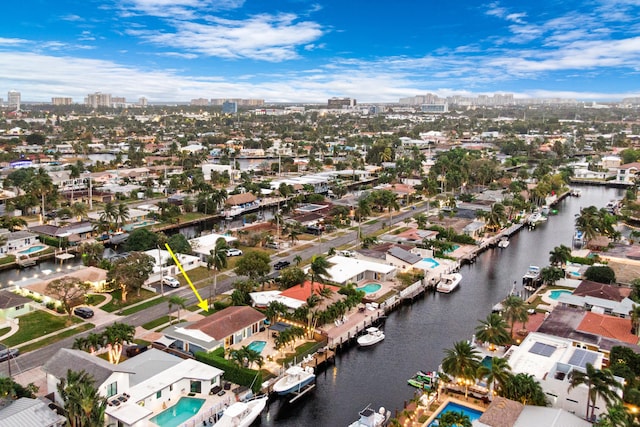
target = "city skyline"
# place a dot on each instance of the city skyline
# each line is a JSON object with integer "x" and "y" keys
{"x": 301, "y": 51}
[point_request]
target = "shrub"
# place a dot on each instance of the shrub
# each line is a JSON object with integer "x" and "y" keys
{"x": 232, "y": 372}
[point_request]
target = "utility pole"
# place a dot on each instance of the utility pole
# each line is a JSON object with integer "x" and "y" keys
{"x": 161, "y": 271}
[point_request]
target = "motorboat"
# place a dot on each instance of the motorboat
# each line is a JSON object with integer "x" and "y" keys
{"x": 373, "y": 336}
{"x": 576, "y": 193}
{"x": 545, "y": 210}
{"x": 242, "y": 414}
{"x": 295, "y": 379}
{"x": 578, "y": 239}
{"x": 504, "y": 242}
{"x": 424, "y": 380}
{"x": 449, "y": 282}
{"x": 532, "y": 276}
{"x": 536, "y": 218}
{"x": 371, "y": 418}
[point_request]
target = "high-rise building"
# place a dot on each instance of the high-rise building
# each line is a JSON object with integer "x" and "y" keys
{"x": 200, "y": 102}
{"x": 340, "y": 103}
{"x": 229, "y": 107}
{"x": 61, "y": 100}
{"x": 143, "y": 102}
{"x": 98, "y": 99}
{"x": 13, "y": 99}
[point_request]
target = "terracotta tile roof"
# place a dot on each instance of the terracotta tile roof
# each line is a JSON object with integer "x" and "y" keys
{"x": 608, "y": 326}
{"x": 228, "y": 321}
{"x": 301, "y": 293}
{"x": 601, "y": 290}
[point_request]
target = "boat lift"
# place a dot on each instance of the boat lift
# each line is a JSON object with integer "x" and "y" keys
{"x": 302, "y": 391}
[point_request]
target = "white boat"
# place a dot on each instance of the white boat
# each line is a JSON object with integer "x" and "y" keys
{"x": 504, "y": 242}
{"x": 373, "y": 336}
{"x": 576, "y": 193}
{"x": 545, "y": 210}
{"x": 242, "y": 414}
{"x": 448, "y": 282}
{"x": 532, "y": 276}
{"x": 536, "y": 218}
{"x": 294, "y": 379}
{"x": 371, "y": 418}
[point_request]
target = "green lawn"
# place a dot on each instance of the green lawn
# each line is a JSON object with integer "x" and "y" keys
{"x": 155, "y": 323}
{"x": 37, "y": 324}
{"x": 132, "y": 298}
{"x": 94, "y": 299}
{"x": 144, "y": 305}
{"x": 4, "y": 331}
{"x": 71, "y": 332}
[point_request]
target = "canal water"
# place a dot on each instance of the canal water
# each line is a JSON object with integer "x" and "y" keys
{"x": 417, "y": 334}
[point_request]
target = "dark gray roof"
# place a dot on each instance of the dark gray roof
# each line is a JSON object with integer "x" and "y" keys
{"x": 10, "y": 300}
{"x": 77, "y": 360}
{"x": 403, "y": 255}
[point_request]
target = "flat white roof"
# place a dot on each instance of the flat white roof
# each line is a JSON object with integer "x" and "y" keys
{"x": 344, "y": 268}
{"x": 204, "y": 244}
{"x": 263, "y": 299}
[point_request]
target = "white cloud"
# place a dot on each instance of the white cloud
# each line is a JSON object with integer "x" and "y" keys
{"x": 181, "y": 9}
{"x": 11, "y": 42}
{"x": 264, "y": 37}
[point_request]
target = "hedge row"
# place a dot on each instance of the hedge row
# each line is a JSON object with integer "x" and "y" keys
{"x": 232, "y": 372}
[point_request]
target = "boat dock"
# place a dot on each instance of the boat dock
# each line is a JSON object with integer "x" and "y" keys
{"x": 345, "y": 333}
{"x": 319, "y": 358}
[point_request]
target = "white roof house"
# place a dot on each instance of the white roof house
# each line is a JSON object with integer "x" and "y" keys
{"x": 346, "y": 270}
{"x": 203, "y": 245}
{"x": 163, "y": 264}
{"x": 30, "y": 412}
{"x": 263, "y": 299}
{"x": 551, "y": 360}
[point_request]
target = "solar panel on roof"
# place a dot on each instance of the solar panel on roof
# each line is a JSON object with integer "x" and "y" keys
{"x": 581, "y": 357}
{"x": 542, "y": 349}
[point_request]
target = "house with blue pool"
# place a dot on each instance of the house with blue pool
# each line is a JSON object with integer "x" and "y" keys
{"x": 222, "y": 329}
{"x": 345, "y": 270}
{"x": 141, "y": 387}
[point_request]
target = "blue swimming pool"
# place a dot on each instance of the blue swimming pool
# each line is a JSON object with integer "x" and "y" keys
{"x": 555, "y": 294}
{"x": 453, "y": 248}
{"x": 473, "y": 414}
{"x": 186, "y": 408}
{"x": 32, "y": 249}
{"x": 432, "y": 263}
{"x": 257, "y": 346}
{"x": 370, "y": 288}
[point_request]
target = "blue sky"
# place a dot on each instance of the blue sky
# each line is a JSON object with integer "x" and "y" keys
{"x": 309, "y": 51}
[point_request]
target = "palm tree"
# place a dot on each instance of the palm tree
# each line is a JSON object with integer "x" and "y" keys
{"x": 79, "y": 210}
{"x": 560, "y": 255}
{"x": 297, "y": 259}
{"x": 319, "y": 268}
{"x": 496, "y": 217}
{"x": 217, "y": 260}
{"x": 293, "y": 236}
{"x": 617, "y": 416}
{"x": 523, "y": 388}
{"x": 421, "y": 219}
{"x": 600, "y": 384}
{"x": 115, "y": 335}
{"x": 177, "y": 301}
{"x": 454, "y": 419}
{"x": 550, "y": 275}
{"x": 122, "y": 215}
{"x": 497, "y": 374}
{"x": 109, "y": 213}
{"x": 515, "y": 310}
{"x": 493, "y": 330}
{"x": 462, "y": 363}
{"x": 81, "y": 400}
{"x": 635, "y": 318}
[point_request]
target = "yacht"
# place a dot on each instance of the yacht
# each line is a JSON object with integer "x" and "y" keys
{"x": 242, "y": 414}
{"x": 449, "y": 282}
{"x": 373, "y": 336}
{"x": 504, "y": 242}
{"x": 371, "y": 418}
{"x": 294, "y": 380}
{"x": 532, "y": 276}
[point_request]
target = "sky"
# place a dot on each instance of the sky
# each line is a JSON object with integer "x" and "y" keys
{"x": 308, "y": 51}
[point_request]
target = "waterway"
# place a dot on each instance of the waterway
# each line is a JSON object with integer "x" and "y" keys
{"x": 416, "y": 335}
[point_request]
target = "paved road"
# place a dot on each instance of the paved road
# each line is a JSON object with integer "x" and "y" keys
{"x": 41, "y": 356}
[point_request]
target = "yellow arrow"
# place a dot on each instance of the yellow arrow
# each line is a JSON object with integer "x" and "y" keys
{"x": 203, "y": 304}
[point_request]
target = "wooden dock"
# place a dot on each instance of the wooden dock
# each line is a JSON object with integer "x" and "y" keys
{"x": 320, "y": 358}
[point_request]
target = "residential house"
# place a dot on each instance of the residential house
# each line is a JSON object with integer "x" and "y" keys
{"x": 37, "y": 287}
{"x": 550, "y": 360}
{"x": 238, "y": 203}
{"x": 163, "y": 264}
{"x": 599, "y": 298}
{"x": 25, "y": 412}
{"x": 345, "y": 270}
{"x": 17, "y": 241}
{"x": 222, "y": 329}
{"x": 627, "y": 172}
{"x": 202, "y": 246}
{"x": 503, "y": 412}
{"x": 12, "y": 306}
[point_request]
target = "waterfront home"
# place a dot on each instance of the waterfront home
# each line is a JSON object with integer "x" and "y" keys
{"x": 599, "y": 298}
{"x": 345, "y": 270}
{"x": 597, "y": 332}
{"x": 264, "y": 298}
{"x": 139, "y": 387}
{"x": 301, "y": 293}
{"x": 238, "y": 203}
{"x": 30, "y": 412}
{"x": 222, "y": 329}
{"x": 551, "y": 359}
{"x": 503, "y": 412}
{"x": 163, "y": 264}
{"x": 75, "y": 231}
{"x": 627, "y": 172}
{"x": 17, "y": 241}
{"x": 12, "y": 306}
{"x": 202, "y": 246}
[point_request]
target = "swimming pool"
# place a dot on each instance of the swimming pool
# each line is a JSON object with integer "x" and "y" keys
{"x": 453, "y": 248}
{"x": 487, "y": 362}
{"x": 555, "y": 294}
{"x": 370, "y": 288}
{"x": 257, "y": 346}
{"x": 432, "y": 262}
{"x": 186, "y": 408}
{"x": 473, "y": 414}
{"x": 32, "y": 249}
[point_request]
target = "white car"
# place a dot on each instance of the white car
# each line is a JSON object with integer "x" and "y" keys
{"x": 171, "y": 282}
{"x": 234, "y": 252}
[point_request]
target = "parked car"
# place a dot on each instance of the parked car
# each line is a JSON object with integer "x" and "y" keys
{"x": 84, "y": 312}
{"x": 234, "y": 252}
{"x": 272, "y": 245}
{"x": 281, "y": 264}
{"x": 170, "y": 281}
{"x": 348, "y": 253}
{"x": 134, "y": 350}
{"x": 9, "y": 353}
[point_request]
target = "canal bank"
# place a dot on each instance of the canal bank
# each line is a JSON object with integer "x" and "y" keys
{"x": 417, "y": 334}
